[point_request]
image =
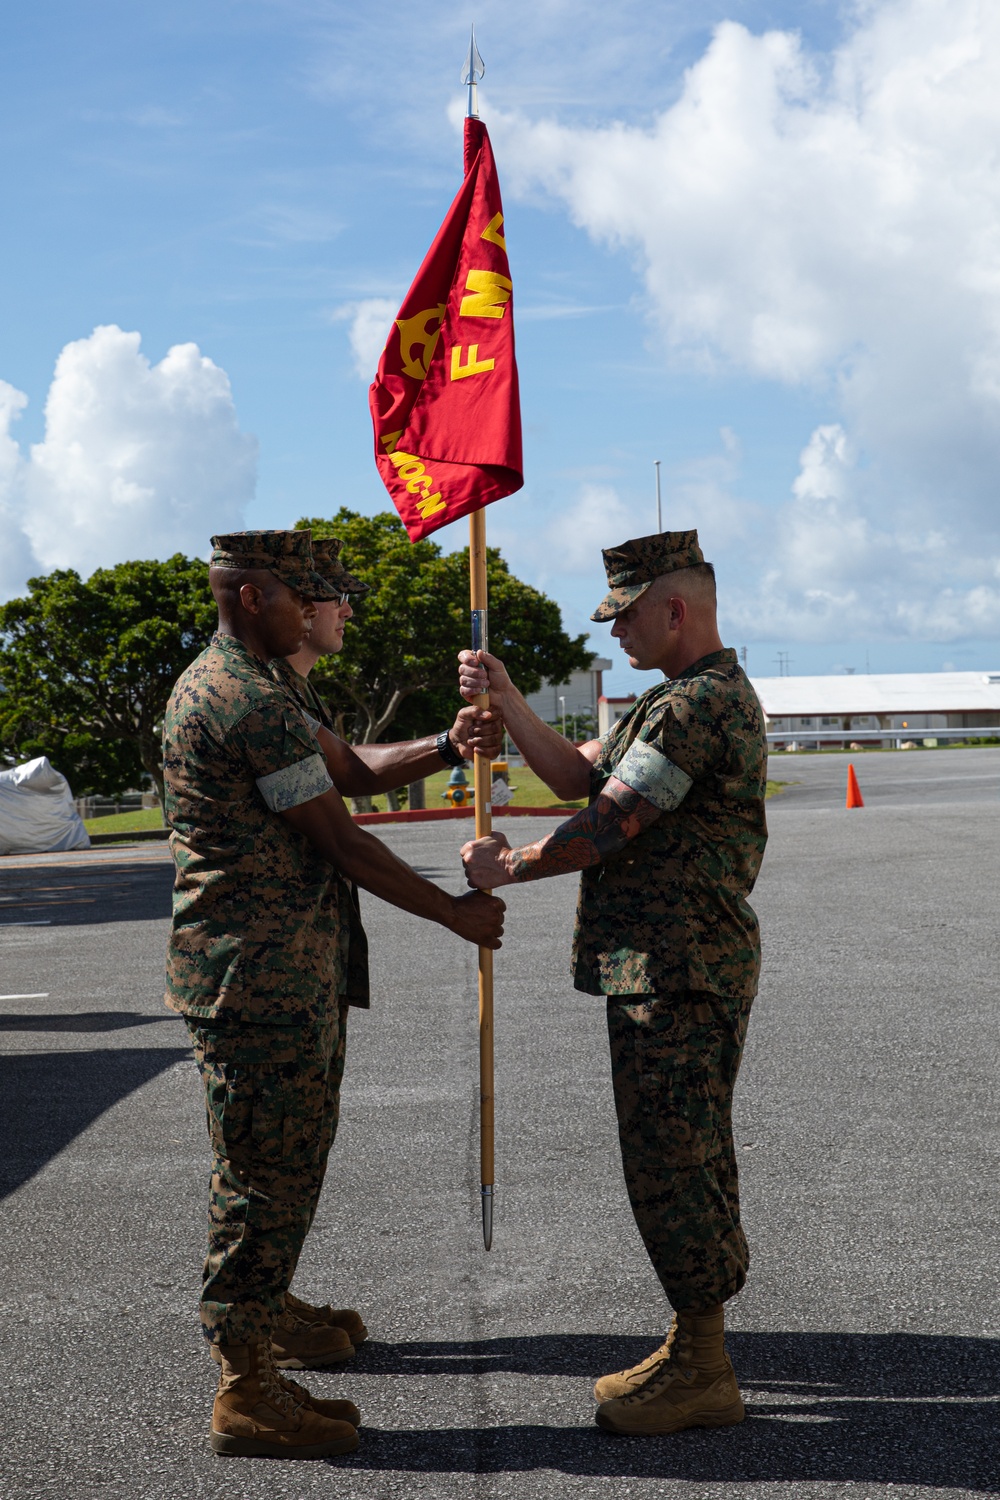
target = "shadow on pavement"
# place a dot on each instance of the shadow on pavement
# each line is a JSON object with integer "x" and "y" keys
{"x": 863, "y": 1408}
{"x": 60, "y": 896}
{"x": 47, "y": 1099}
{"x": 84, "y": 1020}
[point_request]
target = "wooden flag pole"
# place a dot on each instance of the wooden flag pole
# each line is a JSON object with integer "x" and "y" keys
{"x": 482, "y": 783}
{"x": 484, "y": 825}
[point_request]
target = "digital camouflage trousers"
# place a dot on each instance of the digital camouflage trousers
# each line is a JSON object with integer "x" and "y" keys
{"x": 674, "y": 1061}
{"x": 272, "y": 1095}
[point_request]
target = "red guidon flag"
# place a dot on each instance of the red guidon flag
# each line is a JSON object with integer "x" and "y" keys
{"x": 444, "y": 402}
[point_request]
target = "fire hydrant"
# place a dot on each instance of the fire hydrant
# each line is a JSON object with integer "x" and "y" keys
{"x": 458, "y": 791}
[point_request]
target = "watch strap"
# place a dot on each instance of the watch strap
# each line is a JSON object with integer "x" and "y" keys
{"x": 447, "y": 750}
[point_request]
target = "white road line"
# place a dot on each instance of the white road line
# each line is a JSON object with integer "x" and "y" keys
{"x": 25, "y": 997}
{"x": 44, "y": 922}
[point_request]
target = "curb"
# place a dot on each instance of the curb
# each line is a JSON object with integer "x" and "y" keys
{"x": 137, "y": 836}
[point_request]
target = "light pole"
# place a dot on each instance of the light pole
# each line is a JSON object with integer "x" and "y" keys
{"x": 659, "y": 511}
{"x": 562, "y": 710}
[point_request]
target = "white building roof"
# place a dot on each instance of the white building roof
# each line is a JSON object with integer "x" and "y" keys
{"x": 880, "y": 693}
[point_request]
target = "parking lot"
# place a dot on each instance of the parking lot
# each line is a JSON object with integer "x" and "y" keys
{"x": 867, "y": 1340}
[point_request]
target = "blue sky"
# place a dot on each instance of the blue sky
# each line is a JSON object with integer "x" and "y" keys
{"x": 754, "y": 241}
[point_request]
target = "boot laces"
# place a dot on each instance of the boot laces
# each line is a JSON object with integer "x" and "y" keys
{"x": 660, "y": 1356}
{"x": 663, "y": 1373}
{"x": 292, "y": 1386}
{"x": 292, "y": 1321}
{"x": 305, "y": 1311}
{"x": 286, "y": 1396}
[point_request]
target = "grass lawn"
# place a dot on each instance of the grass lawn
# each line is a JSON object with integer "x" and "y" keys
{"x": 129, "y": 822}
{"x": 528, "y": 790}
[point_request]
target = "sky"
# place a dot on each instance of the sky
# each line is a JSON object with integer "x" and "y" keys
{"x": 758, "y": 242}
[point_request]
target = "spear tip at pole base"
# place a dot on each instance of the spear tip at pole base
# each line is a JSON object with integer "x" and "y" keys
{"x": 487, "y": 1193}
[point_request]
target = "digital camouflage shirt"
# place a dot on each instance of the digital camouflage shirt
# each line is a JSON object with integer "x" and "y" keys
{"x": 282, "y": 671}
{"x": 353, "y": 938}
{"x": 256, "y": 911}
{"x": 669, "y": 912}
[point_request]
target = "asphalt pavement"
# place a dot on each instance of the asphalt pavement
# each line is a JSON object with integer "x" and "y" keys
{"x": 888, "y": 777}
{"x": 867, "y": 1341}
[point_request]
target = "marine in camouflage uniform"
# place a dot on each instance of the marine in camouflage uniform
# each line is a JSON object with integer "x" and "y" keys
{"x": 664, "y": 927}
{"x": 670, "y": 847}
{"x": 326, "y": 561}
{"x": 352, "y": 939}
{"x": 253, "y": 956}
{"x": 257, "y": 966}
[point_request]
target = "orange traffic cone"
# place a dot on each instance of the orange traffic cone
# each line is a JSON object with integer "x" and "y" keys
{"x": 854, "y": 797}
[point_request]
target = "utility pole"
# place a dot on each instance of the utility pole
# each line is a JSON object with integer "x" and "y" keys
{"x": 659, "y": 508}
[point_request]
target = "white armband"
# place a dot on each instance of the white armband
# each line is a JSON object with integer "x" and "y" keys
{"x": 649, "y": 772}
{"x": 293, "y": 785}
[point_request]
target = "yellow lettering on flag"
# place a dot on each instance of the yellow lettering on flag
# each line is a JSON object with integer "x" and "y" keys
{"x": 390, "y": 439}
{"x": 494, "y": 232}
{"x": 418, "y": 482}
{"x": 473, "y": 365}
{"x": 414, "y": 334}
{"x": 490, "y": 295}
{"x": 430, "y": 505}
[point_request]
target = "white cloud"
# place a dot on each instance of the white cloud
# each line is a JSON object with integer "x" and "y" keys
{"x": 369, "y": 322}
{"x": 597, "y": 518}
{"x": 138, "y": 460}
{"x": 830, "y": 222}
{"x": 822, "y": 568}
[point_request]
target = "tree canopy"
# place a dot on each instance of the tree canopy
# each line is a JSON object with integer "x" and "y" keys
{"x": 398, "y": 666}
{"x": 86, "y": 668}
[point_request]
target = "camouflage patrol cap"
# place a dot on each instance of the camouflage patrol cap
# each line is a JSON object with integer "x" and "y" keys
{"x": 632, "y": 567}
{"x": 326, "y": 561}
{"x": 286, "y": 554}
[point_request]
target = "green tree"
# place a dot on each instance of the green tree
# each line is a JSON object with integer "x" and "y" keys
{"x": 87, "y": 667}
{"x": 398, "y": 666}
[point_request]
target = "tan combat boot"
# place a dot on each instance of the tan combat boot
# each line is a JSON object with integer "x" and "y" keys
{"x": 338, "y": 1317}
{"x": 624, "y": 1382}
{"x": 338, "y": 1410}
{"x": 297, "y": 1343}
{"x": 695, "y": 1387}
{"x": 305, "y": 1343}
{"x": 257, "y": 1417}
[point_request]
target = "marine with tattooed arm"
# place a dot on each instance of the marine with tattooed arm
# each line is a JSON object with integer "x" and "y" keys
{"x": 669, "y": 847}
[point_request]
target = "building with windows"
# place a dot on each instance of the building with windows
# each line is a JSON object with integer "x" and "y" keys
{"x": 610, "y": 710}
{"x": 577, "y": 699}
{"x": 879, "y": 708}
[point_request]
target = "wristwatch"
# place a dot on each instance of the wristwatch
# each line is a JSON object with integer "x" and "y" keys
{"x": 447, "y": 750}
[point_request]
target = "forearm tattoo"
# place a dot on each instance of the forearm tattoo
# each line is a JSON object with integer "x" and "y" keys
{"x": 616, "y": 816}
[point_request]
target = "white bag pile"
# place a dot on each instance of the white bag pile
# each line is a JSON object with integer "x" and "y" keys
{"x": 37, "y": 812}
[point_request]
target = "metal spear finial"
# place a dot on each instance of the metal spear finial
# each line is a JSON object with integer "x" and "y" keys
{"x": 475, "y": 69}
